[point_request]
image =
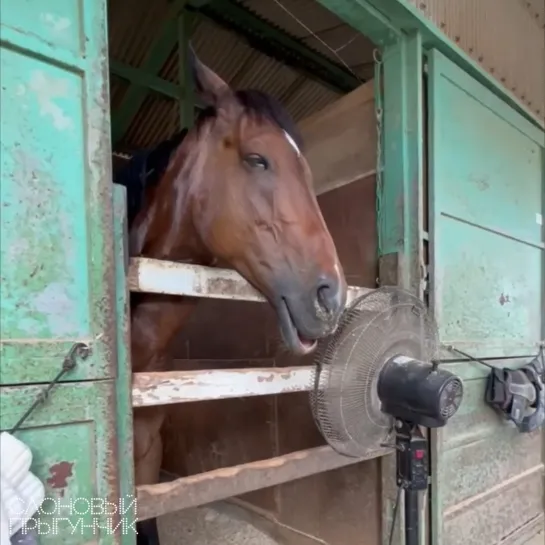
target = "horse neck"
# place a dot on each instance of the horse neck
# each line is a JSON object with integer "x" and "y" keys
{"x": 155, "y": 322}
{"x": 164, "y": 229}
{"x": 157, "y": 319}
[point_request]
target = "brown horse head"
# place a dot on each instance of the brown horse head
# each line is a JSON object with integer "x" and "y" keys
{"x": 238, "y": 190}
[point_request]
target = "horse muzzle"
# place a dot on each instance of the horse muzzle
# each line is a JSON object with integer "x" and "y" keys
{"x": 306, "y": 318}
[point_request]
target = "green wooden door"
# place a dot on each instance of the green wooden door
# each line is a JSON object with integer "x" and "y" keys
{"x": 58, "y": 267}
{"x": 56, "y": 246}
{"x": 486, "y": 209}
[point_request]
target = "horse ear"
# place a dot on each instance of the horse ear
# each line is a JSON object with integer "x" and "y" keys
{"x": 209, "y": 85}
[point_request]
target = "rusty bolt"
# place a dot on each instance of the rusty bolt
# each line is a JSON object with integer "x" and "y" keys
{"x": 422, "y": 5}
{"x": 481, "y": 58}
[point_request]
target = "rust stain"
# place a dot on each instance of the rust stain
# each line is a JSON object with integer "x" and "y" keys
{"x": 504, "y": 299}
{"x": 60, "y": 473}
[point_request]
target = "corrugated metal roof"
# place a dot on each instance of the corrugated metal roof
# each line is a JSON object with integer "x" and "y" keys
{"x": 134, "y": 26}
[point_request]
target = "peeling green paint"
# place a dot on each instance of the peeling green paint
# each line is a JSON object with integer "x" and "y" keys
{"x": 56, "y": 245}
{"x": 487, "y": 184}
{"x": 57, "y": 265}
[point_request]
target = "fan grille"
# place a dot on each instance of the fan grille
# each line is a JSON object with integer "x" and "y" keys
{"x": 344, "y": 400}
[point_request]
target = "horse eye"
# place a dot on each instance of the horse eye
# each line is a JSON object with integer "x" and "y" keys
{"x": 256, "y": 161}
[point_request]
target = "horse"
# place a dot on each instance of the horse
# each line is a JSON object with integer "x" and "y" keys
{"x": 235, "y": 191}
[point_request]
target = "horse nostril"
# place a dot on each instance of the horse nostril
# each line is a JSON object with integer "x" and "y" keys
{"x": 329, "y": 296}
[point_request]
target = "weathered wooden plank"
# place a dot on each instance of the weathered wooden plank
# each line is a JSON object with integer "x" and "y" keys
{"x": 340, "y": 140}
{"x": 158, "y": 276}
{"x": 509, "y": 506}
{"x": 160, "y": 499}
{"x": 185, "y": 386}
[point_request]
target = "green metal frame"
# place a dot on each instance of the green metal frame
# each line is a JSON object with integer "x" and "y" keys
{"x": 123, "y": 383}
{"x": 155, "y": 59}
{"x": 497, "y": 130}
{"x": 404, "y": 35}
{"x": 187, "y": 98}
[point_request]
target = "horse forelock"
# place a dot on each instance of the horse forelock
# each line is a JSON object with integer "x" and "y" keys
{"x": 265, "y": 106}
{"x": 260, "y": 106}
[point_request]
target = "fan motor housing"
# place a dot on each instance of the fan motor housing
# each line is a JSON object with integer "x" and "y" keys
{"x": 418, "y": 392}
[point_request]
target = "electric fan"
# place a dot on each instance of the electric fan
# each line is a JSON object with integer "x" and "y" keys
{"x": 375, "y": 378}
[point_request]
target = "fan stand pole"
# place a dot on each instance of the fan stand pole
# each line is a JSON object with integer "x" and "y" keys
{"x": 412, "y": 517}
{"x": 412, "y": 474}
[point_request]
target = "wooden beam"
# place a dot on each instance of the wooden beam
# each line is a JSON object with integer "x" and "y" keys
{"x": 150, "y": 389}
{"x": 340, "y": 141}
{"x": 159, "y": 276}
{"x": 159, "y": 499}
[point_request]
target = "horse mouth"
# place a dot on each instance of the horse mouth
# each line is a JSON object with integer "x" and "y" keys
{"x": 295, "y": 341}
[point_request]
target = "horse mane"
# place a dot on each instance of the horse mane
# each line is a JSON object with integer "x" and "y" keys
{"x": 146, "y": 167}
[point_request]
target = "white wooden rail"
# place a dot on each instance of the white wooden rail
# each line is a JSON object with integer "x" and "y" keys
{"x": 186, "y": 386}
{"x": 157, "y": 276}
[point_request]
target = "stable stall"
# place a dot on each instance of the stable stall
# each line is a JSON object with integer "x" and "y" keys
{"x": 426, "y": 137}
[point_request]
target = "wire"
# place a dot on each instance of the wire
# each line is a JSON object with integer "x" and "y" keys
{"x": 394, "y": 516}
{"x": 470, "y": 357}
{"x": 310, "y": 31}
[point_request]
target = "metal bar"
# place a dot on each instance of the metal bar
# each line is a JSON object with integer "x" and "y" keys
{"x": 186, "y": 96}
{"x": 367, "y": 16}
{"x": 167, "y": 277}
{"x": 403, "y": 153}
{"x": 156, "y": 58}
{"x": 275, "y": 42}
{"x": 149, "y": 389}
{"x": 145, "y": 80}
{"x": 159, "y": 499}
